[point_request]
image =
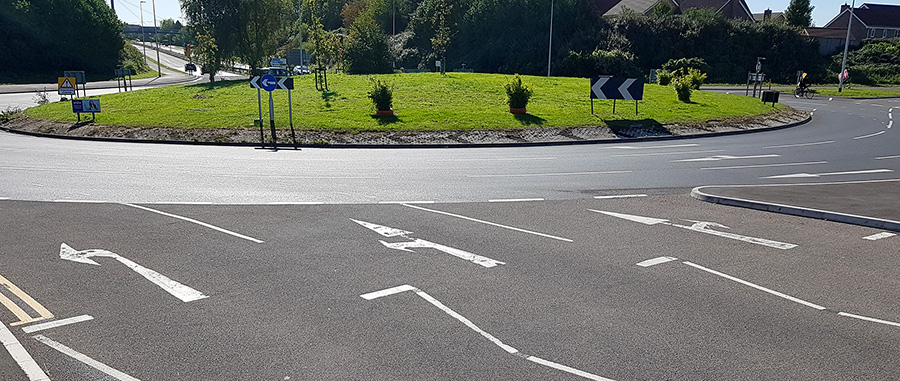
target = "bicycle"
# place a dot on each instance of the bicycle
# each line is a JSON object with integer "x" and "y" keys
{"x": 804, "y": 92}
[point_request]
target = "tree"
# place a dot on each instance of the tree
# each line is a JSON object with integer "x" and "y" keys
{"x": 167, "y": 24}
{"x": 267, "y": 27}
{"x": 799, "y": 13}
{"x": 221, "y": 21}
{"x": 207, "y": 53}
{"x": 367, "y": 52}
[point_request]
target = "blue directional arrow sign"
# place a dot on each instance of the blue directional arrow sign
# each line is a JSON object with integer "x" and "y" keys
{"x": 268, "y": 82}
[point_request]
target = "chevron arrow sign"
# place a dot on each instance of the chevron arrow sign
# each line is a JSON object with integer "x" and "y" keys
{"x": 631, "y": 89}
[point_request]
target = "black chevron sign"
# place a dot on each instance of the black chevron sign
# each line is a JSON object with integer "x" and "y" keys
{"x": 631, "y": 89}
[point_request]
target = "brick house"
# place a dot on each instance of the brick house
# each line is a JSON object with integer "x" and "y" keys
{"x": 869, "y": 21}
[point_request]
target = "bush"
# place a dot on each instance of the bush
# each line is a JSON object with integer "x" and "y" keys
{"x": 367, "y": 52}
{"x": 381, "y": 95}
{"x": 685, "y": 64}
{"x": 517, "y": 93}
{"x": 683, "y": 89}
{"x": 601, "y": 62}
{"x": 664, "y": 77}
{"x": 693, "y": 76}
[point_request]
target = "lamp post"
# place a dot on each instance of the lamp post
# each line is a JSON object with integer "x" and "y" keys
{"x": 156, "y": 35}
{"x": 846, "y": 47}
{"x": 550, "y": 49}
{"x": 141, "y": 6}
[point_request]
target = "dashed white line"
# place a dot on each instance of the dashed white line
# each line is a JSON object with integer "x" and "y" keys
{"x": 80, "y": 201}
{"x": 810, "y": 175}
{"x": 551, "y": 174}
{"x": 296, "y": 203}
{"x": 657, "y": 147}
{"x": 191, "y": 220}
{"x": 406, "y": 202}
{"x": 875, "y": 237}
{"x": 489, "y": 223}
{"x": 656, "y": 261}
{"x": 874, "y": 320}
{"x": 767, "y": 165}
{"x": 21, "y": 356}
{"x": 887, "y": 157}
{"x": 726, "y": 157}
{"x": 668, "y": 153}
{"x": 85, "y": 359}
{"x": 56, "y": 323}
{"x": 758, "y": 287}
{"x": 869, "y": 135}
{"x": 800, "y": 145}
{"x": 468, "y": 323}
{"x": 516, "y": 200}
{"x": 620, "y": 196}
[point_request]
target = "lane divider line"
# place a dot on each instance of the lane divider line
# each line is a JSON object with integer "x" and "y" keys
{"x": 516, "y": 200}
{"x": 56, "y": 323}
{"x": 468, "y": 323}
{"x": 191, "y": 220}
{"x": 489, "y": 223}
{"x": 619, "y": 196}
{"x": 21, "y": 356}
{"x": 869, "y": 135}
{"x": 84, "y": 359}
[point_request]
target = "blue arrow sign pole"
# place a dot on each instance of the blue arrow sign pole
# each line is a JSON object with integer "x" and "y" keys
{"x": 272, "y": 122}
{"x": 262, "y": 136}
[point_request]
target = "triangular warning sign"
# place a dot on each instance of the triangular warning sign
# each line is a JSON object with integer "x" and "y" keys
{"x": 66, "y": 84}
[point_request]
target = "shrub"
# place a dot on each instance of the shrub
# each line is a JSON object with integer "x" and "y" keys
{"x": 683, "y": 88}
{"x": 685, "y": 64}
{"x": 664, "y": 77}
{"x": 693, "y": 76}
{"x": 517, "y": 93}
{"x": 382, "y": 95}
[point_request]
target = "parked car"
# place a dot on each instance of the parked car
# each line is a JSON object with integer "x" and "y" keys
{"x": 190, "y": 68}
{"x": 301, "y": 70}
{"x": 275, "y": 71}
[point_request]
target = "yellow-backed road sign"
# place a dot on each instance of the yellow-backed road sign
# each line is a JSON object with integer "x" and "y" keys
{"x": 66, "y": 85}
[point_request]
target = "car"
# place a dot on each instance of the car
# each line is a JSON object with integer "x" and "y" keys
{"x": 301, "y": 70}
{"x": 275, "y": 71}
{"x": 189, "y": 67}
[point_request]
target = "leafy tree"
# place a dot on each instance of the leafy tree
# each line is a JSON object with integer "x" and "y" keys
{"x": 223, "y": 24}
{"x": 267, "y": 28}
{"x": 799, "y": 13}
{"x": 167, "y": 24}
{"x": 207, "y": 54}
{"x": 367, "y": 51}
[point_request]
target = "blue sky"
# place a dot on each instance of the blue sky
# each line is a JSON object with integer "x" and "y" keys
{"x": 128, "y": 10}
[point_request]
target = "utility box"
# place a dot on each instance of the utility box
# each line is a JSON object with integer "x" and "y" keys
{"x": 769, "y": 96}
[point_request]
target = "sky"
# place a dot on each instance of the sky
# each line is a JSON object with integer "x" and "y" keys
{"x": 825, "y": 10}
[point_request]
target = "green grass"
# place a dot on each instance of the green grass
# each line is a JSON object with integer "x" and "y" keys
{"x": 422, "y": 101}
{"x": 860, "y": 92}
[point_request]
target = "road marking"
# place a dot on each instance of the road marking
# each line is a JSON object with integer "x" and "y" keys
{"x": 406, "y": 202}
{"x": 421, "y": 243}
{"x": 85, "y": 359}
{"x": 876, "y": 105}
{"x": 726, "y": 157}
{"x": 875, "y": 237}
{"x": 620, "y": 196}
{"x": 891, "y": 123}
{"x": 702, "y": 227}
{"x": 667, "y": 153}
{"x": 489, "y": 223}
{"x": 656, "y": 261}
{"x": 656, "y": 147}
{"x": 767, "y": 165}
{"x": 811, "y": 175}
{"x": 516, "y": 200}
{"x": 296, "y": 203}
{"x": 800, "y": 145}
{"x": 56, "y": 323}
{"x": 551, "y": 174}
{"x": 868, "y": 136}
{"x": 80, "y": 201}
{"x": 483, "y": 333}
{"x": 758, "y": 287}
{"x": 869, "y": 319}
{"x": 21, "y": 356}
{"x": 887, "y": 157}
{"x": 191, "y": 220}
{"x": 493, "y": 159}
{"x": 4, "y": 198}
{"x": 178, "y": 290}
{"x": 24, "y": 318}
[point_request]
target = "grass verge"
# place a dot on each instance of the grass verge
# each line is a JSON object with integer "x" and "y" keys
{"x": 423, "y": 101}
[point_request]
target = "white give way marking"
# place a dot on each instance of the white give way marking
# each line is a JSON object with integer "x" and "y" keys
{"x": 727, "y": 157}
{"x": 491, "y": 338}
{"x": 178, "y": 290}
{"x": 421, "y": 243}
{"x": 702, "y": 227}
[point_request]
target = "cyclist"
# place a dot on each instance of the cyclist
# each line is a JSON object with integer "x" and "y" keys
{"x": 802, "y": 86}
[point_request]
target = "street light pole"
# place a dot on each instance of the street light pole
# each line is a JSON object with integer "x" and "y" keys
{"x": 300, "y": 27}
{"x": 143, "y": 37}
{"x": 846, "y": 48}
{"x": 156, "y": 35}
{"x": 550, "y": 49}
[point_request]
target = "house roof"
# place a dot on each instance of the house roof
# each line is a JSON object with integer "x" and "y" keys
{"x": 759, "y": 17}
{"x": 826, "y": 32}
{"x": 639, "y": 6}
{"x": 718, "y": 6}
{"x": 878, "y": 15}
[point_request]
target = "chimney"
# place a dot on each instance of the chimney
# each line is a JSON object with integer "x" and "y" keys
{"x": 767, "y": 14}
{"x": 844, "y": 7}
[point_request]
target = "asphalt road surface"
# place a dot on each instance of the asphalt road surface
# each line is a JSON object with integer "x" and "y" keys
{"x": 182, "y": 263}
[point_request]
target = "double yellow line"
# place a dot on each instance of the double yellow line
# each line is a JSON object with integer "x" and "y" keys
{"x": 24, "y": 317}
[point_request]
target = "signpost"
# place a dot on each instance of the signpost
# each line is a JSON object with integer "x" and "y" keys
{"x": 125, "y": 75}
{"x": 607, "y": 87}
{"x": 66, "y": 86}
{"x": 80, "y": 106}
{"x": 79, "y": 80}
{"x": 269, "y": 83}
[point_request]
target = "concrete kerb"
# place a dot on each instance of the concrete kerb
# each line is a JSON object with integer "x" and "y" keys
{"x": 872, "y": 222}
{"x": 406, "y": 146}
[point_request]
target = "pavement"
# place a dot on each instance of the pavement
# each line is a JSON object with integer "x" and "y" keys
{"x": 868, "y": 203}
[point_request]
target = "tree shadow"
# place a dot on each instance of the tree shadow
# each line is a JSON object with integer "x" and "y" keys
{"x": 327, "y": 96}
{"x": 220, "y": 84}
{"x": 529, "y": 120}
{"x": 384, "y": 120}
{"x": 637, "y": 128}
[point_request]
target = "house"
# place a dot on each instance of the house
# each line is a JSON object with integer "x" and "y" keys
{"x": 869, "y": 21}
{"x": 730, "y": 9}
{"x": 768, "y": 15}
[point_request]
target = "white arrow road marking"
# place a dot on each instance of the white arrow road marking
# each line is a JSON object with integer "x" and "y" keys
{"x": 56, "y": 323}
{"x": 875, "y": 237}
{"x": 726, "y": 157}
{"x": 421, "y": 243}
{"x": 472, "y": 326}
{"x": 178, "y": 290}
{"x": 85, "y": 359}
{"x": 597, "y": 88}
{"x": 21, "y": 356}
{"x": 702, "y": 227}
{"x": 813, "y": 175}
{"x": 624, "y": 89}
